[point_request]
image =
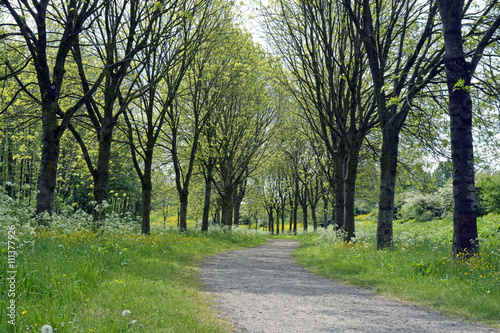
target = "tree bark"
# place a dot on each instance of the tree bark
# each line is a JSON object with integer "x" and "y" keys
{"x": 458, "y": 78}
{"x": 325, "y": 211}
{"x": 239, "y": 194}
{"x": 350, "y": 193}
{"x": 271, "y": 220}
{"x": 295, "y": 207}
{"x": 147, "y": 188}
{"x": 227, "y": 209}
{"x": 49, "y": 161}
{"x": 339, "y": 193}
{"x": 206, "y": 202}
{"x": 183, "y": 204}
{"x": 388, "y": 172}
{"x": 237, "y": 205}
{"x": 101, "y": 181}
{"x": 278, "y": 219}
{"x": 314, "y": 216}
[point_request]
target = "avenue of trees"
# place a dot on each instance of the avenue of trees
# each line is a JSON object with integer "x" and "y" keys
{"x": 139, "y": 105}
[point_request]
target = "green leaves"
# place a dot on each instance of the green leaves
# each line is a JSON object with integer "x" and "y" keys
{"x": 460, "y": 85}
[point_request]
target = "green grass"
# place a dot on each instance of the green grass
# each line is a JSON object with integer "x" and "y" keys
{"x": 419, "y": 268}
{"x": 78, "y": 281}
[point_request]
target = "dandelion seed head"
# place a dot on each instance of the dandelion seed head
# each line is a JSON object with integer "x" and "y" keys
{"x": 126, "y": 313}
{"x": 47, "y": 329}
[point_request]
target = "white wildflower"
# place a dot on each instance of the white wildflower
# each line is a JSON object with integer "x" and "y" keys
{"x": 126, "y": 313}
{"x": 133, "y": 322}
{"x": 47, "y": 329}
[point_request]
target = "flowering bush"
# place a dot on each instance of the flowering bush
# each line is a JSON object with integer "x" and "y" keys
{"x": 427, "y": 206}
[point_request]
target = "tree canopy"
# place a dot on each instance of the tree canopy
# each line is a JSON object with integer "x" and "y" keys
{"x": 349, "y": 108}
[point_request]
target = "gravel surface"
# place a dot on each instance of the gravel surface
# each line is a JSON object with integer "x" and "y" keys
{"x": 261, "y": 289}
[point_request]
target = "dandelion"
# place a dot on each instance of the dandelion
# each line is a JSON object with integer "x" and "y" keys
{"x": 24, "y": 312}
{"x": 126, "y": 313}
{"x": 47, "y": 329}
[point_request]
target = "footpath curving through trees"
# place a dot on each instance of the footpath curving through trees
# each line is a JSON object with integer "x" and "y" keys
{"x": 261, "y": 289}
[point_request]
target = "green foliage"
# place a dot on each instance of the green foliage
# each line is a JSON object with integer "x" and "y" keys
{"x": 488, "y": 187}
{"x": 427, "y": 206}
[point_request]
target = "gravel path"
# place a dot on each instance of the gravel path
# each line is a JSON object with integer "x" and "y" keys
{"x": 261, "y": 289}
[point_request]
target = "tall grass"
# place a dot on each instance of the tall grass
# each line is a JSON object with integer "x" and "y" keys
{"x": 114, "y": 281}
{"x": 419, "y": 268}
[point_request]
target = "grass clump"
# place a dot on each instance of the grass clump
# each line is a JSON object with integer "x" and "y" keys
{"x": 419, "y": 268}
{"x": 115, "y": 280}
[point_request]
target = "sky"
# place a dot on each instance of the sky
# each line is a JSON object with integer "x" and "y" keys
{"x": 249, "y": 19}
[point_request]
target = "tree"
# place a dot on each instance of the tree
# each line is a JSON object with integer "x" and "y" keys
{"x": 69, "y": 19}
{"x": 400, "y": 40}
{"x": 245, "y": 121}
{"x": 459, "y": 73}
{"x": 323, "y": 55}
{"x": 180, "y": 43}
{"x": 116, "y": 39}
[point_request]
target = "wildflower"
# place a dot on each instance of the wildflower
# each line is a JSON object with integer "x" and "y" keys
{"x": 47, "y": 329}
{"x": 133, "y": 322}
{"x": 126, "y": 313}
{"x": 24, "y": 312}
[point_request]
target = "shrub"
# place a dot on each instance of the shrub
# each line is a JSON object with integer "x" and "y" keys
{"x": 422, "y": 207}
{"x": 488, "y": 188}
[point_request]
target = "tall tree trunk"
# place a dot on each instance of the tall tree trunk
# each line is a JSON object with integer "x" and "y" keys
{"x": 458, "y": 78}
{"x": 339, "y": 193}
{"x": 271, "y": 220}
{"x": 304, "y": 215}
{"x": 314, "y": 216}
{"x": 49, "y": 161}
{"x": 283, "y": 218}
{"x": 101, "y": 181}
{"x": 295, "y": 210}
{"x": 227, "y": 209}
{"x": 206, "y": 202}
{"x": 277, "y": 220}
{"x": 237, "y": 205}
{"x": 388, "y": 172}
{"x": 239, "y": 194}
{"x": 325, "y": 212}
{"x": 147, "y": 188}
{"x": 183, "y": 204}
{"x": 350, "y": 193}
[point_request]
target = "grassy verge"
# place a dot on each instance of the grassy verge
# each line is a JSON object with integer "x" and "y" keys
{"x": 115, "y": 281}
{"x": 418, "y": 269}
